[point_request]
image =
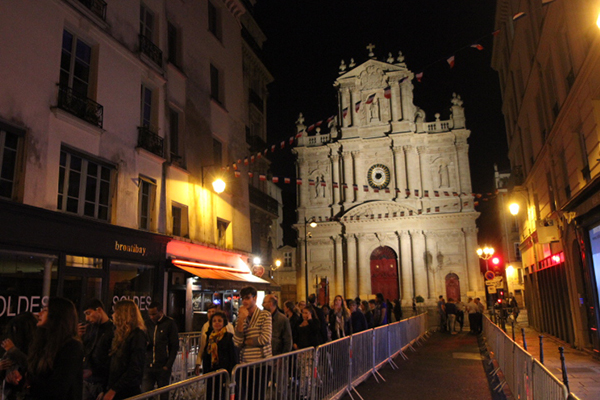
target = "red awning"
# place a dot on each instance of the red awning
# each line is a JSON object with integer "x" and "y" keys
{"x": 205, "y": 271}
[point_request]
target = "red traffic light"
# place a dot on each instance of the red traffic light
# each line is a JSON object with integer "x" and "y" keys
{"x": 496, "y": 260}
{"x": 499, "y": 301}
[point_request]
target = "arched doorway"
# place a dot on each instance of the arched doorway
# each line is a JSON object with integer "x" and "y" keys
{"x": 452, "y": 287}
{"x": 384, "y": 273}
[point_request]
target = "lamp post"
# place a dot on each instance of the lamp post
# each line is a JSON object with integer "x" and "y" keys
{"x": 307, "y": 222}
{"x": 218, "y": 184}
{"x": 485, "y": 254}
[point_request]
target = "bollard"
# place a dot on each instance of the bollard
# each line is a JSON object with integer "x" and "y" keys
{"x": 524, "y": 340}
{"x": 563, "y": 365}
{"x": 513, "y": 328}
{"x": 542, "y": 349}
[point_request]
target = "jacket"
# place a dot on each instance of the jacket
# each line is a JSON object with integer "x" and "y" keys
{"x": 347, "y": 326}
{"x": 163, "y": 343}
{"x": 127, "y": 367}
{"x": 282, "y": 334}
{"x": 228, "y": 355}
{"x": 204, "y": 332}
{"x": 97, "y": 347}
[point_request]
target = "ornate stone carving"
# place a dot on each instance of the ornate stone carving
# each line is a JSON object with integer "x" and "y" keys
{"x": 372, "y": 78}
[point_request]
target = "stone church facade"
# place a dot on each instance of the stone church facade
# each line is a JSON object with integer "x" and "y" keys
{"x": 390, "y": 193}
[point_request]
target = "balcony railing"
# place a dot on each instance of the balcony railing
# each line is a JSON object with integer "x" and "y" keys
{"x": 263, "y": 200}
{"x": 151, "y": 50}
{"x": 150, "y": 141}
{"x": 80, "y": 106}
{"x": 98, "y": 7}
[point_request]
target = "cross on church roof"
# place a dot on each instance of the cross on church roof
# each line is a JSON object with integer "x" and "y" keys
{"x": 370, "y": 47}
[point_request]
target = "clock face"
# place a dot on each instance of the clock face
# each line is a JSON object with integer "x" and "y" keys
{"x": 378, "y": 176}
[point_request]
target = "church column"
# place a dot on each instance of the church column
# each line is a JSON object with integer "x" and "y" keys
{"x": 335, "y": 163}
{"x": 346, "y": 103}
{"x": 364, "y": 269}
{"x": 351, "y": 277}
{"x": 462, "y": 169}
{"x": 355, "y": 96}
{"x": 420, "y": 269}
{"x": 425, "y": 173}
{"x": 400, "y": 171}
{"x": 348, "y": 168}
{"x": 413, "y": 163}
{"x": 406, "y": 93}
{"x": 396, "y": 101}
{"x": 474, "y": 272}
{"x": 406, "y": 268}
{"x": 303, "y": 189}
{"x": 339, "y": 265}
{"x": 359, "y": 178}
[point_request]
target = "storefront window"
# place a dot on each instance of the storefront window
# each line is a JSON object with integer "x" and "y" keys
{"x": 83, "y": 262}
{"x": 595, "y": 246}
{"x": 130, "y": 281}
{"x": 26, "y": 282}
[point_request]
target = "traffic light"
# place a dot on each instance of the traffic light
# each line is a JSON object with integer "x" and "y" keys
{"x": 497, "y": 265}
{"x": 500, "y": 294}
{"x": 496, "y": 261}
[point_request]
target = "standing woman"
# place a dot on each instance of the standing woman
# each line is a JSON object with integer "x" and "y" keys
{"x": 55, "y": 363}
{"x": 339, "y": 319}
{"x": 220, "y": 353}
{"x": 128, "y": 352}
{"x": 308, "y": 333}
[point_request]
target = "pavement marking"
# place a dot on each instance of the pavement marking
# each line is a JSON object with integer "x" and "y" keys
{"x": 468, "y": 356}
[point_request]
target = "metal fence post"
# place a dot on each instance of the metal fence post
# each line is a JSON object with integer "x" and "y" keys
{"x": 564, "y": 367}
{"x": 524, "y": 340}
{"x": 513, "y": 329}
{"x": 542, "y": 349}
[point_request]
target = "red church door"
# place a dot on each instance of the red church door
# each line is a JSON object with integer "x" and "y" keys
{"x": 452, "y": 287}
{"x": 384, "y": 273}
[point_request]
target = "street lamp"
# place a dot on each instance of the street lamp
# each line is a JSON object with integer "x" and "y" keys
{"x": 307, "y": 222}
{"x": 218, "y": 184}
{"x": 485, "y": 254}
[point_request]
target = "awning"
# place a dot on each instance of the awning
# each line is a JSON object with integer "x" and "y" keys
{"x": 207, "y": 271}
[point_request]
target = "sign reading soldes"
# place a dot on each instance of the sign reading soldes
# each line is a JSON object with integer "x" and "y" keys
{"x": 141, "y": 301}
{"x": 11, "y": 306}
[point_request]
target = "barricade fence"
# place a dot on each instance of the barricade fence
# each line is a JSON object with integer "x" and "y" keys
{"x": 326, "y": 372}
{"x": 526, "y": 377}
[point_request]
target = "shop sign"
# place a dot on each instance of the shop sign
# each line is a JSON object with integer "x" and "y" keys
{"x": 258, "y": 270}
{"x": 11, "y": 306}
{"x": 141, "y": 301}
{"x": 130, "y": 248}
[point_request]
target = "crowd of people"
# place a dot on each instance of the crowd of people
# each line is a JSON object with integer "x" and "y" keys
{"x": 53, "y": 356}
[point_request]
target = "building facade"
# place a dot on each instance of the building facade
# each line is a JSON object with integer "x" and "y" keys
{"x": 547, "y": 62}
{"x": 116, "y": 119}
{"x": 389, "y": 191}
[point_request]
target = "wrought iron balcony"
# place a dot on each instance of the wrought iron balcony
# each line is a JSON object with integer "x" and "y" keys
{"x": 150, "y": 141}
{"x": 80, "y": 106}
{"x": 263, "y": 200}
{"x": 98, "y": 7}
{"x": 151, "y": 50}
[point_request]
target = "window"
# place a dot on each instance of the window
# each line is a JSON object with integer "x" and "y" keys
{"x": 179, "y": 214}
{"x": 517, "y": 251}
{"x": 146, "y": 113}
{"x": 222, "y": 232}
{"x": 216, "y": 90}
{"x": 10, "y": 142}
{"x": 217, "y": 152}
{"x": 583, "y": 154}
{"x": 173, "y": 43}
{"x": 147, "y": 203}
{"x": 75, "y": 64}
{"x": 84, "y": 186}
{"x": 174, "y": 135}
{"x": 287, "y": 259}
{"x": 146, "y": 22}
{"x": 214, "y": 21}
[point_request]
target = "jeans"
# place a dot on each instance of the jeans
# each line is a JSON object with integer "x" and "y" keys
{"x": 157, "y": 376}
{"x": 451, "y": 322}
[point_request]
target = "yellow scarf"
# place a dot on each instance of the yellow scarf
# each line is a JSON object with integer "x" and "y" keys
{"x": 213, "y": 339}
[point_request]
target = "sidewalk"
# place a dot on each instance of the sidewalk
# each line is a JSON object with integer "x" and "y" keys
{"x": 445, "y": 367}
{"x": 583, "y": 372}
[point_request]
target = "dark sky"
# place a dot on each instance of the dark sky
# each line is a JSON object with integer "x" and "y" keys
{"x": 307, "y": 39}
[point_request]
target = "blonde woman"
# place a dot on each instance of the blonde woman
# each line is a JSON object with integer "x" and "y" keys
{"x": 340, "y": 323}
{"x": 128, "y": 352}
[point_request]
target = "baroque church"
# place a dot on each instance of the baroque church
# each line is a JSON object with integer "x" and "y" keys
{"x": 390, "y": 193}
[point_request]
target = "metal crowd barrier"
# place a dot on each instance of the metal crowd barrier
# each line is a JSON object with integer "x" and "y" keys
{"x": 328, "y": 372}
{"x": 525, "y": 376}
{"x": 214, "y": 385}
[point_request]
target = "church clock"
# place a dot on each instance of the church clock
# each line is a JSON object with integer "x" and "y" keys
{"x": 378, "y": 176}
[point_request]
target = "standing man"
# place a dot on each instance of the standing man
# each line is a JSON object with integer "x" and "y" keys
{"x": 471, "y": 309}
{"x": 479, "y": 315}
{"x": 253, "y": 333}
{"x": 451, "y": 312}
{"x": 163, "y": 344}
{"x": 312, "y": 299}
{"x": 97, "y": 341}
{"x": 281, "y": 339}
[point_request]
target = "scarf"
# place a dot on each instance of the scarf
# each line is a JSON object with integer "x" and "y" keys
{"x": 213, "y": 350}
{"x": 339, "y": 323}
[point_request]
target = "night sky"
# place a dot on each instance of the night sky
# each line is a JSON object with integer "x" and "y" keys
{"x": 307, "y": 39}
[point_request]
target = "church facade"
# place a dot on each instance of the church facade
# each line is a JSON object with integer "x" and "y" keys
{"x": 390, "y": 194}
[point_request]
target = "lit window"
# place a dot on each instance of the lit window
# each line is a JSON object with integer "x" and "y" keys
{"x": 179, "y": 215}
{"x": 222, "y": 232}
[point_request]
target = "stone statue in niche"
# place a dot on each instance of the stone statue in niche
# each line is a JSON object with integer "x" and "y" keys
{"x": 443, "y": 175}
{"x": 317, "y": 187}
{"x": 374, "y": 111}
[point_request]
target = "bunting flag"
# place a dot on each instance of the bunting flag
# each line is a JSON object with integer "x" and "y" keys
{"x": 319, "y": 123}
{"x": 282, "y": 144}
{"x": 454, "y": 194}
{"x": 518, "y": 16}
{"x": 245, "y": 161}
{"x": 357, "y": 106}
{"x": 477, "y": 46}
{"x": 311, "y": 182}
{"x": 251, "y": 159}
{"x": 450, "y": 61}
{"x": 370, "y": 99}
{"x": 410, "y": 213}
{"x": 286, "y": 180}
{"x": 407, "y": 192}
{"x": 258, "y": 155}
{"x": 310, "y": 128}
{"x": 323, "y": 183}
{"x": 365, "y": 188}
{"x": 475, "y": 203}
{"x": 265, "y": 152}
{"x": 345, "y": 185}
{"x": 237, "y": 174}
{"x": 299, "y": 135}
{"x": 335, "y": 185}
{"x": 387, "y": 190}
{"x": 402, "y": 213}
{"x": 273, "y": 149}
{"x": 436, "y": 193}
{"x": 397, "y": 190}
{"x": 426, "y": 193}
{"x": 419, "y": 76}
{"x": 250, "y": 174}
{"x": 344, "y": 112}
{"x": 291, "y": 140}
{"x": 419, "y": 212}
{"x": 387, "y": 92}
{"x": 299, "y": 181}
{"x": 416, "y": 192}
{"x": 262, "y": 177}
{"x": 235, "y": 167}
{"x": 332, "y": 118}
{"x": 496, "y": 32}
{"x": 428, "y": 210}
{"x": 376, "y": 190}
{"x": 437, "y": 209}
{"x": 239, "y": 161}
{"x": 275, "y": 179}
{"x": 446, "y": 194}
{"x": 355, "y": 186}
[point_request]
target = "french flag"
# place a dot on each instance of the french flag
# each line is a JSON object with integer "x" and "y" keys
{"x": 245, "y": 161}
{"x": 262, "y": 177}
{"x": 311, "y": 182}
{"x": 323, "y": 183}
{"x": 291, "y": 140}
{"x": 387, "y": 92}
{"x": 357, "y": 106}
{"x": 282, "y": 144}
{"x": 344, "y": 112}
{"x": 345, "y": 185}
{"x": 335, "y": 185}
{"x": 299, "y": 134}
{"x": 252, "y": 159}
{"x": 355, "y": 186}
{"x": 365, "y": 188}
{"x": 273, "y": 149}
{"x": 319, "y": 123}
{"x": 370, "y": 99}
{"x": 332, "y": 117}
{"x": 250, "y": 174}
{"x": 237, "y": 174}
{"x": 299, "y": 181}
{"x": 275, "y": 179}
{"x": 450, "y": 61}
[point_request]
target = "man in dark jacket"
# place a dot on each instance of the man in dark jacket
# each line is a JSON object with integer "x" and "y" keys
{"x": 163, "y": 344}
{"x": 97, "y": 339}
{"x": 359, "y": 322}
{"x": 281, "y": 340}
{"x": 312, "y": 299}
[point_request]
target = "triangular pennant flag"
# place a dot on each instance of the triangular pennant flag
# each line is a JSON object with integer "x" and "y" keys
{"x": 408, "y": 192}
{"x": 477, "y": 46}
{"x": 323, "y": 183}
{"x": 376, "y": 190}
{"x": 245, "y": 161}
{"x": 282, "y": 144}
{"x": 355, "y": 186}
{"x": 345, "y": 185}
{"x": 357, "y": 106}
{"x": 344, "y": 112}
{"x": 299, "y": 134}
{"x": 237, "y": 174}
{"x": 387, "y": 190}
{"x": 370, "y": 99}
{"x": 450, "y": 61}
{"x": 518, "y": 16}
{"x": 272, "y": 148}
{"x": 311, "y": 182}
{"x": 252, "y": 159}
{"x": 331, "y": 118}
{"x": 310, "y": 128}
{"x": 250, "y": 174}
{"x": 319, "y": 123}
{"x": 235, "y": 166}
{"x": 419, "y": 76}
{"x": 496, "y": 32}
{"x": 291, "y": 140}
{"x": 299, "y": 181}
{"x": 335, "y": 185}
{"x": 426, "y": 193}
{"x": 387, "y": 92}
{"x": 437, "y": 209}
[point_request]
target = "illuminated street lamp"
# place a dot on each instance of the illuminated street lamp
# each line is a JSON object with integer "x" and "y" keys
{"x": 485, "y": 254}
{"x": 513, "y": 208}
{"x": 307, "y": 222}
{"x": 219, "y": 186}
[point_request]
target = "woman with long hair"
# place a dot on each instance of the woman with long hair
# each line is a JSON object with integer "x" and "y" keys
{"x": 308, "y": 333}
{"x": 128, "y": 352}
{"x": 339, "y": 319}
{"x": 55, "y": 362}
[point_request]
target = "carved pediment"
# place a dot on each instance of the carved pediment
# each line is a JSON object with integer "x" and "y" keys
{"x": 379, "y": 207}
